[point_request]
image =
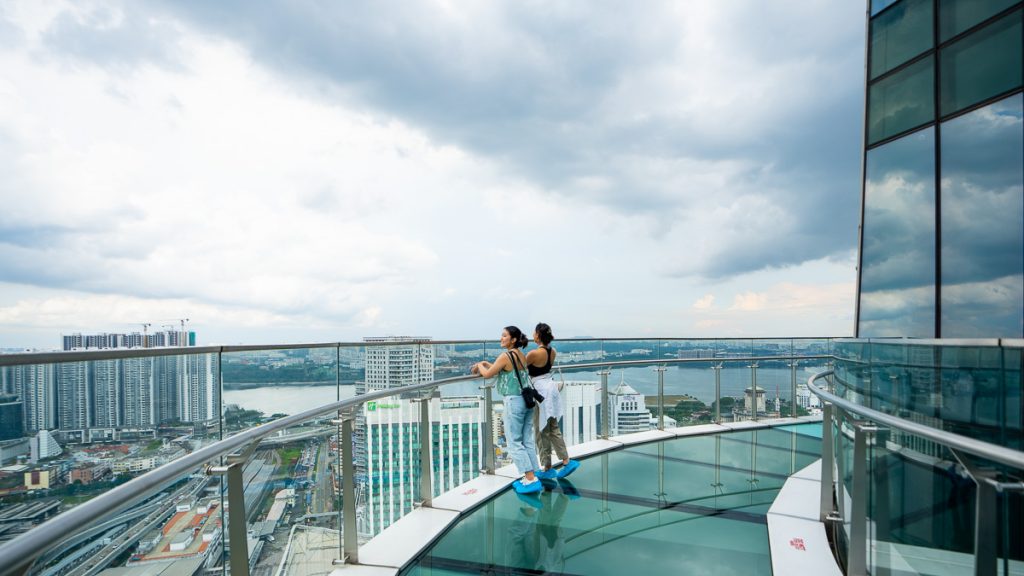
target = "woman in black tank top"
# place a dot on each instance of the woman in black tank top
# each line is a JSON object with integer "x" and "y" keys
{"x": 549, "y": 434}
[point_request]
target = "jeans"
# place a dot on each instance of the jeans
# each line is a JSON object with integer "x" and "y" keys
{"x": 522, "y": 445}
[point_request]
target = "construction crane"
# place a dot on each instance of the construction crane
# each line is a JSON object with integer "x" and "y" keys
{"x": 183, "y": 338}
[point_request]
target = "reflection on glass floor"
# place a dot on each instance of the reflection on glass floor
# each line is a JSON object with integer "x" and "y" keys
{"x": 692, "y": 505}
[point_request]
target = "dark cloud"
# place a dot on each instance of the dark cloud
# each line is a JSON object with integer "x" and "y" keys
{"x": 109, "y": 36}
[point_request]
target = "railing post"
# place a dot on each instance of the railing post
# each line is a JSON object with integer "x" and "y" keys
{"x": 350, "y": 541}
{"x": 661, "y": 396}
{"x": 606, "y": 419}
{"x": 827, "y": 461}
{"x": 792, "y": 397}
{"x": 986, "y": 530}
{"x": 236, "y": 521}
{"x": 753, "y": 391}
{"x": 426, "y": 486}
{"x": 718, "y": 392}
{"x": 487, "y": 439}
{"x": 857, "y": 560}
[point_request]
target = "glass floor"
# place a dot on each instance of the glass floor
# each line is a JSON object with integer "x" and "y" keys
{"x": 694, "y": 505}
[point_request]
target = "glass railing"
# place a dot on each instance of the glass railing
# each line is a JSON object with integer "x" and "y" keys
{"x": 232, "y": 457}
{"x": 925, "y": 441}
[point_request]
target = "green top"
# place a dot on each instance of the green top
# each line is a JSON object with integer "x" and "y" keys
{"x": 508, "y": 385}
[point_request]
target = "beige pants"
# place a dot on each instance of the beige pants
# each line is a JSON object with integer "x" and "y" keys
{"x": 550, "y": 438}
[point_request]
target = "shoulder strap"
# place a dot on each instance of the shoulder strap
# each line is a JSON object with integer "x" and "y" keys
{"x": 515, "y": 368}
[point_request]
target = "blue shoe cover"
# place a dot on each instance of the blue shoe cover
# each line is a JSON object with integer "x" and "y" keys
{"x": 568, "y": 488}
{"x": 549, "y": 474}
{"x": 531, "y": 500}
{"x": 568, "y": 468}
{"x": 531, "y": 488}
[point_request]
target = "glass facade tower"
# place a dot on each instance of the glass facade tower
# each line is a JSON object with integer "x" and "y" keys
{"x": 942, "y": 225}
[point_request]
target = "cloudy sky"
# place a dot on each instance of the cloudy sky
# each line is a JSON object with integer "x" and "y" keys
{"x": 316, "y": 171}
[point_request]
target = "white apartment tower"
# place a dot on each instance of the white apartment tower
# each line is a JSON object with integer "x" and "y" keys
{"x": 404, "y": 360}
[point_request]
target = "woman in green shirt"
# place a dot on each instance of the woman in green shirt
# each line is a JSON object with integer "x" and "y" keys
{"x": 510, "y": 370}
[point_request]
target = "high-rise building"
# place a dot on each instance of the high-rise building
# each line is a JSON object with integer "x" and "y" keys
{"x": 629, "y": 411}
{"x": 581, "y": 419}
{"x": 398, "y": 365}
{"x": 198, "y": 390}
{"x": 393, "y": 452}
{"x": 12, "y": 417}
{"x": 106, "y": 393}
{"x": 138, "y": 393}
{"x": 942, "y": 236}
{"x": 74, "y": 397}
{"x": 36, "y": 386}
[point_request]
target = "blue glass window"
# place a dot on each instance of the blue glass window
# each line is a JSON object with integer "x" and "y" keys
{"x": 982, "y": 190}
{"x": 902, "y": 32}
{"x": 981, "y": 65}
{"x": 955, "y": 16}
{"x": 902, "y": 101}
{"x": 897, "y": 291}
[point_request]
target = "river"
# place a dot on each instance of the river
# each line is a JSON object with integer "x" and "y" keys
{"x": 699, "y": 383}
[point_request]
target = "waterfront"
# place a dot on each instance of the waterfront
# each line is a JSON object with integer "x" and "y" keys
{"x": 696, "y": 382}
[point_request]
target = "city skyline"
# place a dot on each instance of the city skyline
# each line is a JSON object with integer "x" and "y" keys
{"x": 696, "y": 170}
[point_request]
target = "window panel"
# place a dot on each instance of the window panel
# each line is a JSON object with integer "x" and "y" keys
{"x": 955, "y": 16}
{"x": 982, "y": 191}
{"x": 898, "y": 275}
{"x": 879, "y": 5}
{"x": 982, "y": 65}
{"x": 902, "y": 32}
{"x": 902, "y": 101}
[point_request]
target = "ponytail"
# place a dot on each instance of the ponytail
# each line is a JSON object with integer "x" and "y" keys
{"x": 519, "y": 339}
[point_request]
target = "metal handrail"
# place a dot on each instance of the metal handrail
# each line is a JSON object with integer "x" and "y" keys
{"x": 19, "y": 553}
{"x": 986, "y": 450}
{"x": 57, "y": 357}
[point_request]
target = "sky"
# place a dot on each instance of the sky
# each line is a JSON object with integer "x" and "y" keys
{"x": 315, "y": 171}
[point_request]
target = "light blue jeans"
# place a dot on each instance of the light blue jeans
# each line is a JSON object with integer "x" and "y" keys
{"x": 522, "y": 444}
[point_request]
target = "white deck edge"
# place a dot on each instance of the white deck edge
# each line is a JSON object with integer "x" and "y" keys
{"x": 796, "y": 538}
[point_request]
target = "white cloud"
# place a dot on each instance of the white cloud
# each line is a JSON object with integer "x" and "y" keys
{"x": 705, "y": 302}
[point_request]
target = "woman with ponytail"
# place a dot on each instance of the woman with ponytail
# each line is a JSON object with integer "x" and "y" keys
{"x": 512, "y": 377}
{"x": 549, "y": 433}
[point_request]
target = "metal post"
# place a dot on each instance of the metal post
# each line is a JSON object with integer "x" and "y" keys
{"x": 661, "y": 396}
{"x": 718, "y": 392}
{"x": 350, "y": 552}
{"x": 753, "y": 391}
{"x": 986, "y": 529}
{"x": 606, "y": 420}
{"x": 426, "y": 486}
{"x": 487, "y": 439}
{"x": 792, "y": 397}
{"x": 857, "y": 560}
{"x": 237, "y": 532}
{"x": 827, "y": 461}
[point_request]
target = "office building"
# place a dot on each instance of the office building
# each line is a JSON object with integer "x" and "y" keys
{"x": 12, "y": 417}
{"x": 942, "y": 247}
{"x": 393, "y": 452}
{"x": 629, "y": 411}
{"x": 43, "y": 445}
{"x": 392, "y": 366}
{"x": 581, "y": 418}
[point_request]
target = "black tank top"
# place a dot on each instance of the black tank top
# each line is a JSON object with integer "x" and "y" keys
{"x": 539, "y": 370}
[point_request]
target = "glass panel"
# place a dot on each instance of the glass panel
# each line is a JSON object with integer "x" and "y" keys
{"x": 983, "y": 222}
{"x": 982, "y": 65}
{"x": 689, "y": 505}
{"x": 879, "y": 5}
{"x": 955, "y": 16}
{"x": 897, "y": 280}
{"x": 901, "y": 101}
{"x": 904, "y": 31}
{"x": 81, "y": 429}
